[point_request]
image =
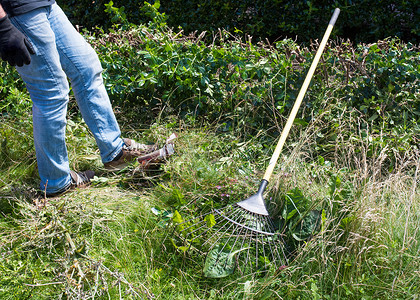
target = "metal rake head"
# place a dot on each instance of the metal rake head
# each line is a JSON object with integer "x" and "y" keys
{"x": 234, "y": 238}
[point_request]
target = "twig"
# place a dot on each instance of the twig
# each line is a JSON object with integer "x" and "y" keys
{"x": 43, "y": 284}
{"x": 73, "y": 248}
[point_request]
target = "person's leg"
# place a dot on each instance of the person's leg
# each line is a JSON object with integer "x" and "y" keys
{"x": 59, "y": 47}
{"x": 81, "y": 64}
{"x": 48, "y": 87}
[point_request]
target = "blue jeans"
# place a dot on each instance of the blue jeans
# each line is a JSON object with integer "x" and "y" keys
{"x": 61, "y": 53}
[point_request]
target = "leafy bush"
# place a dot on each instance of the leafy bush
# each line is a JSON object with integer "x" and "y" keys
{"x": 246, "y": 86}
{"x": 360, "y": 20}
{"x": 155, "y": 71}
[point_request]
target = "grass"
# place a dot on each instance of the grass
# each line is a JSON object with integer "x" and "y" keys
{"x": 355, "y": 160}
{"x": 113, "y": 240}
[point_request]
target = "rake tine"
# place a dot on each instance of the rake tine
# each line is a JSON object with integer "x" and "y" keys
{"x": 260, "y": 239}
{"x": 217, "y": 218}
{"x": 281, "y": 255}
{"x": 282, "y": 243}
{"x": 202, "y": 226}
{"x": 201, "y": 218}
{"x": 246, "y": 235}
{"x": 271, "y": 240}
{"x": 284, "y": 256}
{"x": 249, "y": 249}
{"x": 191, "y": 221}
{"x": 271, "y": 246}
{"x": 229, "y": 238}
{"x": 217, "y": 240}
{"x": 234, "y": 243}
{"x": 256, "y": 245}
{"x": 262, "y": 245}
{"x": 271, "y": 223}
{"x": 192, "y": 226}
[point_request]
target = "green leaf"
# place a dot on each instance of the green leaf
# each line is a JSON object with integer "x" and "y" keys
{"x": 210, "y": 221}
{"x": 307, "y": 226}
{"x": 335, "y": 183}
{"x": 291, "y": 214}
{"x": 347, "y": 221}
{"x": 156, "y": 4}
{"x": 219, "y": 262}
{"x": 178, "y": 196}
{"x": 300, "y": 122}
{"x": 294, "y": 203}
{"x": 323, "y": 220}
{"x": 180, "y": 248}
{"x": 177, "y": 217}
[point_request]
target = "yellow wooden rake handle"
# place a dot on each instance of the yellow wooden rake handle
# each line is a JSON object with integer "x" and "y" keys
{"x": 299, "y": 98}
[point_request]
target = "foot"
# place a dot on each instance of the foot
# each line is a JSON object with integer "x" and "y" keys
{"x": 78, "y": 180}
{"x": 130, "y": 151}
{"x": 159, "y": 156}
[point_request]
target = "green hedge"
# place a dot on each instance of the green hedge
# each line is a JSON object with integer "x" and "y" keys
{"x": 151, "y": 68}
{"x": 360, "y": 20}
{"x": 152, "y": 72}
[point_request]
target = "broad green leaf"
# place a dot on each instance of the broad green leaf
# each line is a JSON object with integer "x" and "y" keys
{"x": 291, "y": 214}
{"x": 335, "y": 183}
{"x": 300, "y": 122}
{"x": 307, "y": 226}
{"x": 219, "y": 262}
{"x": 346, "y": 221}
{"x": 294, "y": 203}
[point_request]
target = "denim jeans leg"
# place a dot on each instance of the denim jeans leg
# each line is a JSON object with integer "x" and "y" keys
{"x": 48, "y": 88}
{"x": 62, "y": 52}
{"x": 81, "y": 64}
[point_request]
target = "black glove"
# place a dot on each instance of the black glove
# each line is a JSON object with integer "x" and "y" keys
{"x": 14, "y": 47}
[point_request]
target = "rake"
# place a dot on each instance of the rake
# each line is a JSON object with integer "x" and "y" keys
{"x": 243, "y": 235}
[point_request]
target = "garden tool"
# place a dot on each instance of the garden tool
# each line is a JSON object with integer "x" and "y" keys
{"x": 243, "y": 234}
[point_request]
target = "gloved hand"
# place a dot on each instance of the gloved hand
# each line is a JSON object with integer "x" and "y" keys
{"x": 14, "y": 46}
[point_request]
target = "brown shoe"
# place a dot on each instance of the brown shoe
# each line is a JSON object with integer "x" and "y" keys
{"x": 130, "y": 151}
{"x": 157, "y": 157}
{"x": 78, "y": 180}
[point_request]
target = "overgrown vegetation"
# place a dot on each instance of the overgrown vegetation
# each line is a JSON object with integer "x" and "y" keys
{"x": 361, "y": 20}
{"x": 352, "y": 156}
